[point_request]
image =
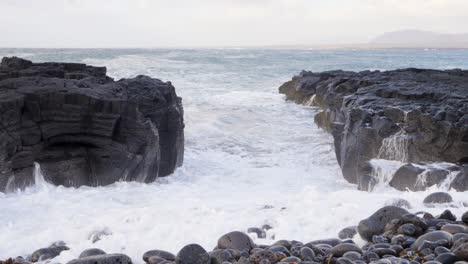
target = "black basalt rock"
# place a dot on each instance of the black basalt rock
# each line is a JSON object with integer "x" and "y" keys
{"x": 83, "y": 127}
{"x": 406, "y": 115}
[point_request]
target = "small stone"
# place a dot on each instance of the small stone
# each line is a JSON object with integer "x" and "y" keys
{"x": 347, "y": 232}
{"x": 236, "y": 240}
{"x": 159, "y": 253}
{"x": 454, "y": 229}
{"x": 260, "y": 232}
{"x": 431, "y": 237}
{"x": 344, "y": 261}
{"x": 103, "y": 259}
{"x": 47, "y": 253}
{"x": 192, "y": 254}
{"x": 279, "y": 248}
{"x": 441, "y": 250}
{"x": 91, "y": 252}
{"x": 341, "y": 249}
{"x": 221, "y": 255}
{"x": 447, "y": 258}
{"x": 448, "y": 215}
{"x": 155, "y": 260}
{"x": 460, "y": 248}
{"x": 283, "y": 243}
{"x": 438, "y": 198}
{"x": 261, "y": 255}
{"x": 291, "y": 260}
{"x": 464, "y": 218}
{"x": 352, "y": 255}
{"x": 306, "y": 254}
{"x": 330, "y": 241}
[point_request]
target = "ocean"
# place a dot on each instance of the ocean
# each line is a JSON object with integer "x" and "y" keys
{"x": 251, "y": 158}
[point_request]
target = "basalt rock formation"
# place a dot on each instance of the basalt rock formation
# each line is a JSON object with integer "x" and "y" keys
{"x": 415, "y": 118}
{"x": 84, "y": 128}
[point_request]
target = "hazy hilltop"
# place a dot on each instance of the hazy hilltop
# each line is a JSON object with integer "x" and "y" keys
{"x": 420, "y": 39}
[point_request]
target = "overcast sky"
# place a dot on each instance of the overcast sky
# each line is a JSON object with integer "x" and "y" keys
{"x": 169, "y": 23}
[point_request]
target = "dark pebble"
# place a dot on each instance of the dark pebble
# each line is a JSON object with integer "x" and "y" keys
{"x": 447, "y": 258}
{"x": 263, "y": 254}
{"x": 260, "y": 232}
{"x": 341, "y": 249}
{"x": 159, "y": 253}
{"x": 91, "y": 252}
{"x": 347, "y": 232}
{"x": 235, "y": 240}
{"x": 103, "y": 259}
{"x": 192, "y": 254}
{"x": 221, "y": 255}
{"x": 437, "y": 198}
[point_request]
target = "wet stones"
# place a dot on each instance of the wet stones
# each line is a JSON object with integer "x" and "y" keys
{"x": 375, "y": 224}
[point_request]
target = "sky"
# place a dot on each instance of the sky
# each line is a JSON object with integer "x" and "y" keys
{"x": 218, "y": 23}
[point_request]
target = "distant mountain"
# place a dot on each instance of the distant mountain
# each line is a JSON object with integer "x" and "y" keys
{"x": 420, "y": 39}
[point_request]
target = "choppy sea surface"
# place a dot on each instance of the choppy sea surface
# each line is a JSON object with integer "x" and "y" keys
{"x": 251, "y": 158}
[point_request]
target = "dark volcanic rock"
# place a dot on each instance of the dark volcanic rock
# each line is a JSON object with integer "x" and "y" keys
{"x": 83, "y": 127}
{"x": 408, "y": 115}
{"x": 375, "y": 224}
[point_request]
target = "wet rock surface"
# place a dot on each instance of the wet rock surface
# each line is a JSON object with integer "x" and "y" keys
{"x": 83, "y": 127}
{"x": 414, "y": 116}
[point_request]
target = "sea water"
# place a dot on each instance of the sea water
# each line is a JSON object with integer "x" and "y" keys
{"x": 250, "y": 159}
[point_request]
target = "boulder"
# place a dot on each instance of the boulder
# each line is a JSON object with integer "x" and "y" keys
{"x": 375, "y": 224}
{"x": 84, "y": 128}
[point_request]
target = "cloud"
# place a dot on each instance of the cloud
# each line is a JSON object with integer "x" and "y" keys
{"x": 153, "y": 23}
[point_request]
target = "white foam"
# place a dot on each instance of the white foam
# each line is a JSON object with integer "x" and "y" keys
{"x": 395, "y": 147}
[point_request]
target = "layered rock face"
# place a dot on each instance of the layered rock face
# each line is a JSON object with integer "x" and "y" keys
{"x": 412, "y": 120}
{"x": 84, "y": 128}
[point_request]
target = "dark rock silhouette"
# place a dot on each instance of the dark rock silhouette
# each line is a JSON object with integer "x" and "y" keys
{"x": 83, "y": 127}
{"x": 410, "y": 115}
